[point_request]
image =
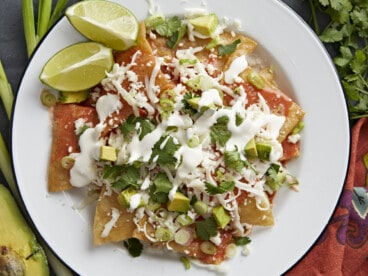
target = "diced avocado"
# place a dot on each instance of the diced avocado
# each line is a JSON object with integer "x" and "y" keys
{"x": 108, "y": 153}
{"x": 205, "y": 24}
{"x": 251, "y": 149}
{"x": 125, "y": 198}
{"x": 180, "y": 203}
{"x": 194, "y": 103}
{"x": 221, "y": 216}
{"x": 264, "y": 151}
{"x": 256, "y": 80}
{"x": 20, "y": 253}
{"x": 73, "y": 97}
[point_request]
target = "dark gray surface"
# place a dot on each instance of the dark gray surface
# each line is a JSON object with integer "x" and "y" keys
{"x": 13, "y": 52}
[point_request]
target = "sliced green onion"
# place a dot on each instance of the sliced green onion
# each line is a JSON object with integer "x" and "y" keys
{"x": 163, "y": 234}
{"x": 187, "y": 61}
{"x": 208, "y": 248}
{"x": 184, "y": 219}
{"x": 47, "y": 98}
{"x": 166, "y": 105}
{"x": 184, "y": 236}
{"x": 194, "y": 141}
{"x": 67, "y": 162}
{"x": 186, "y": 262}
{"x": 200, "y": 207}
{"x": 298, "y": 128}
{"x": 231, "y": 250}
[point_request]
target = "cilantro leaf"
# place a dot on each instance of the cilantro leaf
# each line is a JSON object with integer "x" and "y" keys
{"x": 174, "y": 40}
{"x": 168, "y": 26}
{"x": 223, "y": 187}
{"x": 129, "y": 127}
{"x": 233, "y": 161}
{"x": 160, "y": 188}
{"x": 242, "y": 241}
{"x": 163, "y": 151}
{"x": 129, "y": 178}
{"x": 134, "y": 247}
{"x": 219, "y": 131}
{"x": 111, "y": 172}
{"x": 205, "y": 229}
{"x": 228, "y": 49}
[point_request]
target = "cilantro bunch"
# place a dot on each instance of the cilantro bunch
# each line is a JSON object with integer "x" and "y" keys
{"x": 346, "y": 32}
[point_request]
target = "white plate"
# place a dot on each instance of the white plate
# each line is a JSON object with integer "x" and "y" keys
{"x": 308, "y": 75}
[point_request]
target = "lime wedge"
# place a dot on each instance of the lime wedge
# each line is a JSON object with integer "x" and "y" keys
{"x": 77, "y": 67}
{"x": 105, "y": 22}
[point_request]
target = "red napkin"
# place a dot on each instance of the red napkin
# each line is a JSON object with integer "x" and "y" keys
{"x": 343, "y": 247}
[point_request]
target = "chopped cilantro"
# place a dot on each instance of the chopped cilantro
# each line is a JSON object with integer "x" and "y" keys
{"x": 164, "y": 150}
{"x": 160, "y": 188}
{"x": 228, "y": 49}
{"x": 134, "y": 247}
{"x": 111, "y": 172}
{"x": 129, "y": 178}
{"x": 242, "y": 241}
{"x": 205, "y": 229}
{"x": 129, "y": 127}
{"x": 223, "y": 187}
{"x": 168, "y": 26}
{"x": 171, "y": 28}
{"x": 174, "y": 40}
{"x": 219, "y": 131}
{"x": 233, "y": 161}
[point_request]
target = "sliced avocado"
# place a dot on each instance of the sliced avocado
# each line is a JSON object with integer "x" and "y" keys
{"x": 205, "y": 24}
{"x": 108, "y": 153}
{"x": 73, "y": 97}
{"x": 20, "y": 253}
{"x": 180, "y": 203}
{"x": 264, "y": 150}
{"x": 251, "y": 149}
{"x": 221, "y": 216}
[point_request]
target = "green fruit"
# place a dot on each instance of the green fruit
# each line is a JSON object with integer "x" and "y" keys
{"x": 105, "y": 22}
{"x": 20, "y": 253}
{"x": 77, "y": 67}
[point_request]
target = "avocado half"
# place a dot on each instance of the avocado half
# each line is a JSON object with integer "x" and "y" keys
{"x": 20, "y": 253}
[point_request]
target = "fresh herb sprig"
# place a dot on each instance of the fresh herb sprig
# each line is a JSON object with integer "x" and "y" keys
{"x": 347, "y": 33}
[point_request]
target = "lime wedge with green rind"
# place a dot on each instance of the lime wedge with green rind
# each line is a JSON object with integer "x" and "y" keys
{"x": 77, "y": 67}
{"x": 106, "y": 22}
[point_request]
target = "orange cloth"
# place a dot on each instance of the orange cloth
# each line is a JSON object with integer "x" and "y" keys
{"x": 342, "y": 249}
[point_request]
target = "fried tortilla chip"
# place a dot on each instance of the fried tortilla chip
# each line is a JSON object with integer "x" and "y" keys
{"x": 249, "y": 213}
{"x": 124, "y": 226}
{"x": 65, "y": 141}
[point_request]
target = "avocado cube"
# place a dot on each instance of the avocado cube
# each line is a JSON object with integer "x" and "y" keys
{"x": 73, "y": 97}
{"x": 108, "y": 153}
{"x": 125, "y": 196}
{"x": 264, "y": 151}
{"x": 251, "y": 149}
{"x": 205, "y": 24}
{"x": 221, "y": 216}
{"x": 180, "y": 203}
